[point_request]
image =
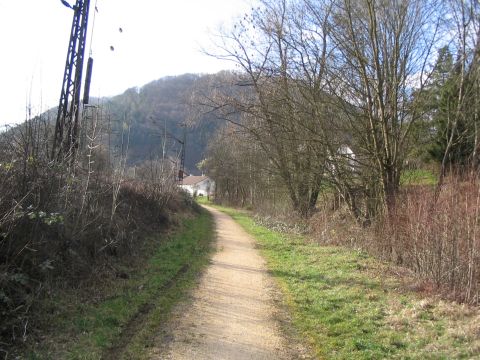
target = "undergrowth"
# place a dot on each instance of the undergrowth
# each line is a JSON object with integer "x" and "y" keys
{"x": 67, "y": 221}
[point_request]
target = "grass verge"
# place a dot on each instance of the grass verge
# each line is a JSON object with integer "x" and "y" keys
{"x": 124, "y": 324}
{"x": 347, "y": 305}
{"x": 203, "y": 200}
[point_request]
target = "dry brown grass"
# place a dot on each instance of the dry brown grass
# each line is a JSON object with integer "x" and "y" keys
{"x": 449, "y": 323}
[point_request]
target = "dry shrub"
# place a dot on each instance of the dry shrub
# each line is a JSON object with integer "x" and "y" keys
{"x": 438, "y": 240}
{"x": 337, "y": 226}
{"x": 64, "y": 223}
{"x": 282, "y": 224}
{"x": 42, "y": 246}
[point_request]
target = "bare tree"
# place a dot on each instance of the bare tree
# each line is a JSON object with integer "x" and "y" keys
{"x": 382, "y": 49}
{"x": 268, "y": 97}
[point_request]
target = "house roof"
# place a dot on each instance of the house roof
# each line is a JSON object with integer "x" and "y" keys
{"x": 192, "y": 180}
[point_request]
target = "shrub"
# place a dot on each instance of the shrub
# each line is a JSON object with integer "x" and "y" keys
{"x": 437, "y": 239}
{"x": 64, "y": 222}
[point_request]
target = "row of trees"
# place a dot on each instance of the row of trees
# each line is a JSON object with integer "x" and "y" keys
{"x": 342, "y": 93}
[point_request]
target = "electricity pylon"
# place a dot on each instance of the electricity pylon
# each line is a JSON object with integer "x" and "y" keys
{"x": 65, "y": 141}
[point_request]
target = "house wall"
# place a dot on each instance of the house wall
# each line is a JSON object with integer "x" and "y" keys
{"x": 203, "y": 188}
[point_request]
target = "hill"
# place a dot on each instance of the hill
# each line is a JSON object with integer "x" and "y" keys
{"x": 160, "y": 105}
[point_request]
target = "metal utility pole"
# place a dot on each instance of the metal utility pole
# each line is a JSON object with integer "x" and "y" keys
{"x": 65, "y": 141}
{"x": 181, "y": 172}
{"x": 183, "y": 143}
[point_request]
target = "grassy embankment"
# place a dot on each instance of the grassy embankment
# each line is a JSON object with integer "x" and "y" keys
{"x": 124, "y": 323}
{"x": 347, "y": 305}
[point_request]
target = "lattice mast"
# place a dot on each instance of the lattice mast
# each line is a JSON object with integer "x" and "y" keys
{"x": 65, "y": 141}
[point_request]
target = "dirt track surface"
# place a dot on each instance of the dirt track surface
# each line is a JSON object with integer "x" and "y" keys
{"x": 232, "y": 314}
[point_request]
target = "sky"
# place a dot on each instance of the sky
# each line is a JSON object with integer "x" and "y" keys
{"x": 158, "y": 38}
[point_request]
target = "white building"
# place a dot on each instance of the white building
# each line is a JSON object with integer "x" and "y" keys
{"x": 198, "y": 185}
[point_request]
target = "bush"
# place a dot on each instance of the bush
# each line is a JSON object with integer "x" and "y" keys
{"x": 436, "y": 238}
{"x": 439, "y": 239}
{"x": 64, "y": 222}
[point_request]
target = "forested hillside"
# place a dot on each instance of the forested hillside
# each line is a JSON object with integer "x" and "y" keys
{"x": 160, "y": 105}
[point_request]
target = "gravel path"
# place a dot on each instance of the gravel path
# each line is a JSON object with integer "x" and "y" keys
{"x": 232, "y": 314}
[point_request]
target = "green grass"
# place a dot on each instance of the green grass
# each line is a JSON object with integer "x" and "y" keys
{"x": 129, "y": 319}
{"x": 418, "y": 177}
{"x": 346, "y": 306}
{"x": 203, "y": 200}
